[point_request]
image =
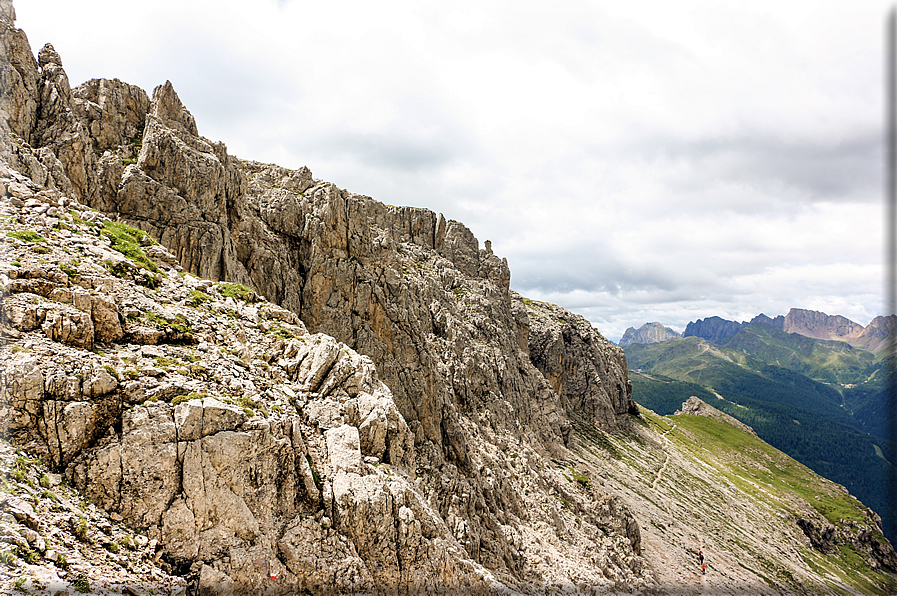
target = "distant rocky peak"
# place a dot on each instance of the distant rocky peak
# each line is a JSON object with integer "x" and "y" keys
{"x": 648, "y": 333}
{"x": 882, "y": 325}
{"x": 762, "y": 319}
{"x": 819, "y": 325}
{"x": 714, "y": 329}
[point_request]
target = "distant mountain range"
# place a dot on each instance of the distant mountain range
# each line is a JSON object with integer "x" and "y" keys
{"x": 810, "y": 384}
{"x": 809, "y": 323}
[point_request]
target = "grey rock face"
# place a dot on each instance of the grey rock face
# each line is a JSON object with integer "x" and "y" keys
{"x": 180, "y": 190}
{"x": 115, "y": 113}
{"x": 228, "y": 434}
{"x": 776, "y": 323}
{"x": 19, "y": 77}
{"x": 817, "y": 324}
{"x": 59, "y": 128}
{"x": 585, "y": 369}
{"x": 393, "y": 453}
{"x": 822, "y": 539}
{"x": 880, "y": 334}
{"x": 205, "y": 477}
{"x": 401, "y": 285}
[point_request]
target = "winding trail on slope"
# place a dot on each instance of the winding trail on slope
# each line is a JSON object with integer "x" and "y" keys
{"x": 665, "y": 461}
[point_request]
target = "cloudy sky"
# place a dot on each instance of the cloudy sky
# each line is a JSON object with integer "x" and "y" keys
{"x": 639, "y": 161}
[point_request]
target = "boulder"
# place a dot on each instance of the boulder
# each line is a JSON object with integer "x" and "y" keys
{"x": 198, "y": 418}
{"x": 344, "y": 449}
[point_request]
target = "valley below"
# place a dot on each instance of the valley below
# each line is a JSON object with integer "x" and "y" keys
{"x": 812, "y": 385}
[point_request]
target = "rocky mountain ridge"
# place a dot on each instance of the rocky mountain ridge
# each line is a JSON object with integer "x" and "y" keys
{"x": 646, "y": 334}
{"x": 226, "y": 434}
{"x": 875, "y": 337}
{"x": 394, "y": 419}
{"x": 715, "y": 329}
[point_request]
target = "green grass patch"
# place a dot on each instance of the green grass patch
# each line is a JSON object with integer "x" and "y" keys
{"x": 166, "y": 362}
{"x": 179, "y": 323}
{"x": 281, "y": 331}
{"x": 580, "y": 478}
{"x": 27, "y": 236}
{"x": 249, "y": 406}
{"x": 188, "y": 396}
{"x": 81, "y": 529}
{"x": 238, "y": 292}
{"x": 62, "y": 561}
{"x": 198, "y": 298}
{"x": 27, "y": 554}
{"x": 123, "y": 270}
{"x": 69, "y": 269}
{"x": 128, "y": 240}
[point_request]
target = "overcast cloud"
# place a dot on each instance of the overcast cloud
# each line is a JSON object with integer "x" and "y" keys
{"x": 635, "y": 162}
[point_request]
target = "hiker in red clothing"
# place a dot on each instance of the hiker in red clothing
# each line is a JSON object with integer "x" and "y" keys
{"x": 701, "y": 556}
{"x": 703, "y": 569}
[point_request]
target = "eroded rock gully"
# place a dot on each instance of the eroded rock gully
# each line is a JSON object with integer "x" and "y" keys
{"x": 379, "y": 413}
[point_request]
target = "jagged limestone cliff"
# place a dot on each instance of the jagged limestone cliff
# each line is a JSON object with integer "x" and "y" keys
{"x": 390, "y": 417}
{"x": 401, "y": 285}
{"x": 220, "y": 429}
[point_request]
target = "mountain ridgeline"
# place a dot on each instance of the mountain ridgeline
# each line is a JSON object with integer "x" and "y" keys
{"x": 648, "y": 333}
{"x": 810, "y": 384}
{"x": 224, "y": 376}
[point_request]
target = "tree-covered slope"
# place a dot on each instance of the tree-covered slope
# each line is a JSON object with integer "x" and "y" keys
{"x": 867, "y": 402}
{"x": 698, "y": 361}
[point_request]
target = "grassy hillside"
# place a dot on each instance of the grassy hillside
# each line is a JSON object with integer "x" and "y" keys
{"x": 806, "y": 419}
{"x": 833, "y": 362}
{"x": 698, "y": 361}
{"x": 771, "y": 476}
{"x": 704, "y": 484}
